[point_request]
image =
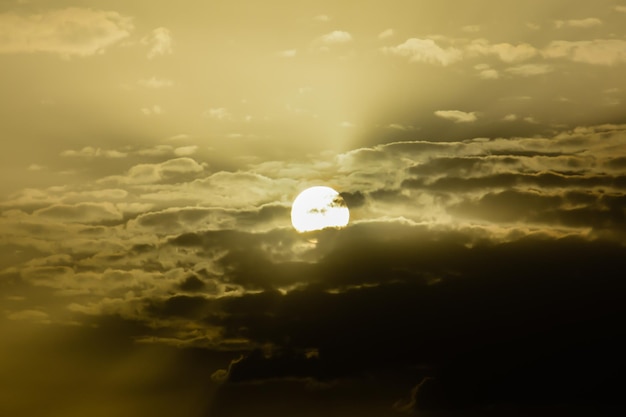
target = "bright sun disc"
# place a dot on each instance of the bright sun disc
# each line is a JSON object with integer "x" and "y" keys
{"x": 318, "y": 208}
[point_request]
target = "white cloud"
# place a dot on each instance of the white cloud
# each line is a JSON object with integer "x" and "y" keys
{"x": 621, "y": 9}
{"x": 322, "y": 18}
{"x": 35, "y": 167}
{"x": 335, "y": 37}
{"x": 596, "y": 52}
{"x": 160, "y": 42}
{"x": 457, "y": 116}
{"x": 510, "y": 118}
{"x": 68, "y": 32}
{"x": 425, "y": 50}
{"x": 388, "y": 33}
{"x": 505, "y": 51}
{"x": 528, "y": 70}
{"x": 155, "y": 82}
{"x": 578, "y": 23}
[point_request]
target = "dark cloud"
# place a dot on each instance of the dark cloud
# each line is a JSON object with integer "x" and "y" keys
{"x": 480, "y": 316}
{"x": 192, "y": 284}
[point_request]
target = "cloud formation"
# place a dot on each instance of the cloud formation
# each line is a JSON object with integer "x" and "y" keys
{"x": 159, "y": 41}
{"x": 68, "y": 32}
{"x": 457, "y": 116}
{"x": 425, "y": 50}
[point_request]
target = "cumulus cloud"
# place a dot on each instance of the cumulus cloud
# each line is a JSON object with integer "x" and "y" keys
{"x": 595, "y": 52}
{"x": 457, "y": 116}
{"x": 159, "y": 41}
{"x": 68, "y": 32}
{"x": 425, "y": 50}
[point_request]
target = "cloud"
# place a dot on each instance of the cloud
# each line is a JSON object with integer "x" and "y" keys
{"x": 578, "y": 23}
{"x": 335, "y": 37}
{"x": 486, "y": 72}
{"x": 35, "y": 316}
{"x": 425, "y": 50}
{"x": 68, "y": 32}
{"x": 621, "y": 9}
{"x": 322, "y": 18}
{"x": 185, "y": 150}
{"x": 160, "y": 42}
{"x": 528, "y": 70}
{"x": 387, "y": 33}
{"x": 154, "y": 82}
{"x": 505, "y": 51}
{"x": 152, "y": 173}
{"x": 288, "y": 53}
{"x": 471, "y": 28}
{"x": 457, "y": 116}
{"x": 81, "y": 212}
{"x": 218, "y": 113}
{"x": 595, "y": 52}
{"x": 150, "y": 111}
{"x": 91, "y": 152}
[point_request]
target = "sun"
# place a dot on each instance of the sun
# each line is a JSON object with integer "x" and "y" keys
{"x": 318, "y": 208}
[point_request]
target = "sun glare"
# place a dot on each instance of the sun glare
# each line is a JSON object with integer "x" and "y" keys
{"x": 318, "y": 208}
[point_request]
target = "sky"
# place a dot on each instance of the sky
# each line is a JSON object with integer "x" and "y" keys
{"x": 151, "y": 151}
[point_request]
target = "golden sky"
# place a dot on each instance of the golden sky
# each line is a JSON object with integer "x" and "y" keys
{"x": 151, "y": 152}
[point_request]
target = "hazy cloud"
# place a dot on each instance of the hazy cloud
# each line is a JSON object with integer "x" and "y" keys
{"x": 528, "y": 70}
{"x": 81, "y": 212}
{"x": 596, "y": 52}
{"x": 387, "y": 33}
{"x": 578, "y": 23}
{"x": 69, "y": 32}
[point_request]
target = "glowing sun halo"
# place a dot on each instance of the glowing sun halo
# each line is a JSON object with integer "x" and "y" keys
{"x": 318, "y": 208}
